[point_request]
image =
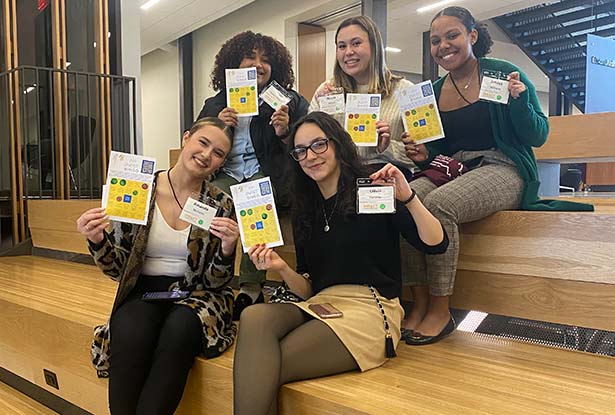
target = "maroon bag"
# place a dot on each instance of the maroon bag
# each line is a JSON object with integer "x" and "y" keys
{"x": 442, "y": 169}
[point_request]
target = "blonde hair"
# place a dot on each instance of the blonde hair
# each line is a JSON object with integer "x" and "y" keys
{"x": 380, "y": 79}
{"x": 213, "y": 121}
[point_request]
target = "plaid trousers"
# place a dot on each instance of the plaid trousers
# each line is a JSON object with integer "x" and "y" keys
{"x": 492, "y": 186}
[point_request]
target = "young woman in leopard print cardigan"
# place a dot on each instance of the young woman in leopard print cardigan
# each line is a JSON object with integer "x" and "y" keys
{"x": 151, "y": 345}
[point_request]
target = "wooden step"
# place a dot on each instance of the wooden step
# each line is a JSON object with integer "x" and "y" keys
{"x": 14, "y": 402}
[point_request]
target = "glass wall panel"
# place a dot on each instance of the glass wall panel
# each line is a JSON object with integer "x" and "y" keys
{"x": 34, "y": 33}
{"x": 80, "y": 35}
{"x": 3, "y": 39}
{"x": 84, "y": 153}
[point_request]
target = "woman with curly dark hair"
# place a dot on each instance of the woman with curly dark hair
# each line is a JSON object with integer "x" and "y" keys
{"x": 258, "y": 147}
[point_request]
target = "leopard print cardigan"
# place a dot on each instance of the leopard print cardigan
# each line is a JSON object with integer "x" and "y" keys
{"x": 121, "y": 255}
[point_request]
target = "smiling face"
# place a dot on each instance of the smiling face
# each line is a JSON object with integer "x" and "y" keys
{"x": 451, "y": 43}
{"x": 263, "y": 67}
{"x": 354, "y": 52}
{"x": 322, "y": 168}
{"x": 205, "y": 150}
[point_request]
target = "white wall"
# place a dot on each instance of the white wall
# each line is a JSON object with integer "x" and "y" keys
{"x": 276, "y": 18}
{"x": 160, "y": 89}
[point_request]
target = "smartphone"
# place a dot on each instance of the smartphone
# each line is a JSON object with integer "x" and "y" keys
{"x": 165, "y": 295}
{"x": 325, "y": 310}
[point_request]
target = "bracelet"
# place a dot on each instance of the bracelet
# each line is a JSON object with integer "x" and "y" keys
{"x": 412, "y": 196}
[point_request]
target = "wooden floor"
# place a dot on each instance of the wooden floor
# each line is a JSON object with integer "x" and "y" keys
{"x": 13, "y": 402}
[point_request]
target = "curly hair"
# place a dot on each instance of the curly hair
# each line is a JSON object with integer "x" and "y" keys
{"x": 483, "y": 44}
{"x": 243, "y": 45}
{"x": 307, "y": 199}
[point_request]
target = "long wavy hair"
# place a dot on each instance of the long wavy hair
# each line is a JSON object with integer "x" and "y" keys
{"x": 242, "y": 45}
{"x": 307, "y": 199}
{"x": 381, "y": 79}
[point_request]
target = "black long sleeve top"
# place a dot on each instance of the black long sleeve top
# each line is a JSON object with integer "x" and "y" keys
{"x": 360, "y": 249}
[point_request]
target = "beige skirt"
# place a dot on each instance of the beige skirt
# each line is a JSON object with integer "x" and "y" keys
{"x": 361, "y": 329}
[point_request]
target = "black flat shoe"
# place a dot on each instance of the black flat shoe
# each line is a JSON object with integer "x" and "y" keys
{"x": 417, "y": 339}
{"x": 242, "y": 301}
{"x": 406, "y": 333}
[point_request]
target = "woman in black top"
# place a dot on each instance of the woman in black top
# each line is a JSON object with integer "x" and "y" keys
{"x": 348, "y": 260}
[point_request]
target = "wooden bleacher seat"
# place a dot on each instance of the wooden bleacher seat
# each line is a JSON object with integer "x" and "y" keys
{"x": 552, "y": 266}
{"x": 49, "y": 307}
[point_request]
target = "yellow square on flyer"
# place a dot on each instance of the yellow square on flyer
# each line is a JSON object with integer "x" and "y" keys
{"x": 362, "y": 128}
{"x": 243, "y": 99}
{"x": 127, "y": 198}
{"x": 259, "y": 224}
{"x": 423, "y": 122}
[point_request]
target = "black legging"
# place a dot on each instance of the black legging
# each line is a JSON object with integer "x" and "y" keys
{"x": 277, "y": 344}
{"x": 153, "y": 346}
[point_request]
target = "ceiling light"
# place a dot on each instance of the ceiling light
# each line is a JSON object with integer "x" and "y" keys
{"x": 392, "y": 49}
{"x": 148, "y": 4}
{"x": 433, "y": 6}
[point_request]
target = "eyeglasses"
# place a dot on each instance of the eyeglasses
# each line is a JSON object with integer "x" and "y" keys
{"x": 318, "y": 147}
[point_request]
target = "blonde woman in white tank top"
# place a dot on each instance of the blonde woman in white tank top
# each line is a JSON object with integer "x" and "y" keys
{"x": 153, "y": 344}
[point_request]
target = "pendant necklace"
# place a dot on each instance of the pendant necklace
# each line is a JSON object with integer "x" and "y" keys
{"x": 324, "y": 213}
{"x": 173, "y": 190}
{"x": 466, "y": 86}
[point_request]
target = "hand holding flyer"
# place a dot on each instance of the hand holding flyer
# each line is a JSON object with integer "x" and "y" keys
{"x": 362, "y": 114}
{"x": 420, "y": 115}
{"x": 242, "y": 91}
{"x": 256, "y": 214}
{"x": 126, "y": 195}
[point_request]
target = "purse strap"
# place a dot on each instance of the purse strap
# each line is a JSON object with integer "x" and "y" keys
{"x": 389, "y": 349}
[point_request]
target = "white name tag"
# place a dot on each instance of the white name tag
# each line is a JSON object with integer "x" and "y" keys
{"x": 332, "y": 104}
{"x": 198, "y": 213}
{"x": 494, "y": 87}
{"x": 375, "y": 199}
{"x": 275, "y": 96}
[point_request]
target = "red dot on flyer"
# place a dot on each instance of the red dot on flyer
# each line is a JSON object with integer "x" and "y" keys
{"x": 144, "y": 186}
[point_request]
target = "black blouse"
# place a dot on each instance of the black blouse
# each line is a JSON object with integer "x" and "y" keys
{"x": 467, "y": 128}
{"x": 360, "y": 249}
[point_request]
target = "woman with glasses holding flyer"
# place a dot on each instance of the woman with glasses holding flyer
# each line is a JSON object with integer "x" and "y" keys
{"x": 492, "y": 118}
{"x": 360, "y": 68}
{"x": 173, "y": 301}
{"x": 348, "y": 272}
{"x": 259, "y": 145}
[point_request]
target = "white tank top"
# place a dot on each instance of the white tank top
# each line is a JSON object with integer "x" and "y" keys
{"x": 167, "y": 249}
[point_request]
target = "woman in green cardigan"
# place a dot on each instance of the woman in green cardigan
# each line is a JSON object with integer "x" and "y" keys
{"x": 498, "y": 169}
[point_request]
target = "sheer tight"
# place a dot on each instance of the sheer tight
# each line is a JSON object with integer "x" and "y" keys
{"x": 278, "y": 344}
